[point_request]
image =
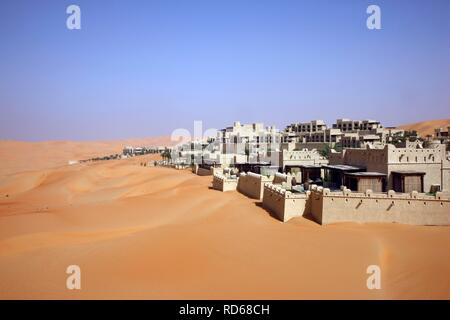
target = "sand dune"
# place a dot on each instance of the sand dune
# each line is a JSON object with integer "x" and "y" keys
{"x": 425, "y": 128}
{"x": 141, "y": 232}
{"x": 18, "y": 156}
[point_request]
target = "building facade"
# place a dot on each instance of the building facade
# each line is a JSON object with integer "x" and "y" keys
{"x": 432, "y": 164}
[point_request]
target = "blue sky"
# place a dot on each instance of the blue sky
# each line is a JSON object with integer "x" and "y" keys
{"x": 144, "y": 68}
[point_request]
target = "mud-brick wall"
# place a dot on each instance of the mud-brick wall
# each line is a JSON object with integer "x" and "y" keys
{"x": 283, "y": 204}
{"x": 224, "y": 184}
{"x": 252, "y": 185}
{"x": 415, "y": 209}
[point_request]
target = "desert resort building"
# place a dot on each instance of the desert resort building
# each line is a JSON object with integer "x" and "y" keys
{"x": 353, "y": 171}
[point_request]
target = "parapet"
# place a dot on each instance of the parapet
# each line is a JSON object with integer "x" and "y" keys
{"x": 407, "y": 208}
{"x": 284, "y": 204}
{"x": 278, "y": 190}
{"x": 252, "y": 184}
{"x": 223, "y": 183}
{"x": 391, "y": 194}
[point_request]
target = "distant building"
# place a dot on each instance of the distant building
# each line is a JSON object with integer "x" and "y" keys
{"x": 252, "y": 140}
{"x": 345, "y": 133}
{"x": 347, "y": 125}
{"x": 442, "y": 134}
{"x": 315, "y": 131}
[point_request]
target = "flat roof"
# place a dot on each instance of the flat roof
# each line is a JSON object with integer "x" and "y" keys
{"x": 371, "y": 137}
{"x": 343, "y": 167}
{"x": 208, "y": 161}
{"x": 310, "y": 166}
{"x": 366, "y": 174}
{"x": 408, "y": 172}
{"x": 262, "y": 163}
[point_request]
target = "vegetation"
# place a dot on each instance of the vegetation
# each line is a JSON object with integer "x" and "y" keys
{"x": 409, "y": 135}
{"x": 326, "y": 150}
{"x": 166, "y": 155}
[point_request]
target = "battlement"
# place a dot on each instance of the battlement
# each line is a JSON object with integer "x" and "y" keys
{"x": 390, "y": 155}
{"x": 304, "y": 154}
{"x": 285, "y": 179}
{"x": 414, "y": 195}
{"x": 411, "y": 208}
{"x": 283, "y": 203}
{"x": 252, "y": 184}
{"x": 328, "y": 207}
{"x": 281, "y": 191}
{"x": 414, "y": 155}
{"x": 198, "y": 170}
{"x": 223, "y": 183}
{"x": 301, "y": 157}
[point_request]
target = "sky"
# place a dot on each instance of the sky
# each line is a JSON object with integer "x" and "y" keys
{"x": 145, "y": 68}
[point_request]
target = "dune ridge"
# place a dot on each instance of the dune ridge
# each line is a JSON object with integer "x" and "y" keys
{"x": 425, "y": 128}
{"x": 145, "y": 232}
{"x": 18, "y": 156}
{"x": 156, "y": 233}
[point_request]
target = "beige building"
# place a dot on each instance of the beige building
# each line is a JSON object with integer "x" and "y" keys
{"x": 421, "y": 169}
{"x": 293, "y": 160}
{"x": 224, "y": 183}
{"x": 345, "y": 132}
{"x": 347, "y": 125}
{"x": 252, "y": 140}
{"x": 412, "y": 208}
{"x": 359, "y": 140}
{"x": 252, "y": 184}
{"x": 315, "y": 131}
{"x": 326, "y": 207}
{"x": 442, "y": 134}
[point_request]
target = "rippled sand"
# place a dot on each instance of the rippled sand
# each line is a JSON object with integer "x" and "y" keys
{"x": 141, "y": 232}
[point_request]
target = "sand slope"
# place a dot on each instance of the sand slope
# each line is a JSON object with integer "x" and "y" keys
{"x": 140, "y": 232}
{"x": 17, "y": 156}
{"x": 425, "y": 128}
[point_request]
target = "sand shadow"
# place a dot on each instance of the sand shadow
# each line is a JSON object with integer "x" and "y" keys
{"x": 213, "y": 189}
{"x": 270, "y": 213}
{"x": 309, "y": 216}
{"x": 305, "y": 215}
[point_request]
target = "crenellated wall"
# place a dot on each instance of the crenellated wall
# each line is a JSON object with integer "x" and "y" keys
{"x": 283, "y": 204}
{"x": 224, "y": 184}
{"x": 414, "y": 208}
{"x": 345, "y": 206}
{"x": 301, "y": 157}
{"x": 281, "y": 178}
{"x": 252, "y": 184}
{"x": 206, "y": 172}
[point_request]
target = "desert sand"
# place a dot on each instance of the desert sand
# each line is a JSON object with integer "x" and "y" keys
{"x": 425, "y": 128}
{"x": 18, "y": 156}
{"x": 160, "y": 233}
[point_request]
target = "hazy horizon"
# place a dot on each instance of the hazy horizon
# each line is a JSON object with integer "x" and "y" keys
{"x": 142, "y": 69}
{"x": 168, "y": 134}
